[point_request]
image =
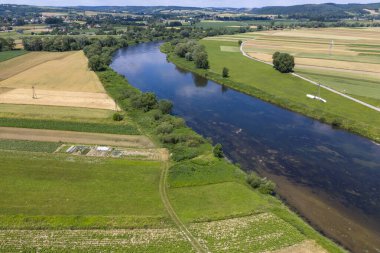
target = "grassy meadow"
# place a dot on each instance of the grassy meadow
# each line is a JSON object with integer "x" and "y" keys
{"x": 59, "y": 191}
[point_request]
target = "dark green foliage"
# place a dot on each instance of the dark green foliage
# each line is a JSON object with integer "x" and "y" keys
{"x": 56, "y": 43}
{"x": 165, "y": 106}
{"x": 145, "y": 101}
{"x": 7, "y": 44}
{"x": 225, "y": 72}
{"x": 283, "y": 62}
{"x": 117, "y": 117}
{"x": 218, "y": 151}
{"x": 96, "y": 63}
{"x": 165, "y": 128}
{"x": 240, "y": 42}
{"x": 264, "y": 185}
{"x": 191, "y": 50}
{"x": 201, "y": 59}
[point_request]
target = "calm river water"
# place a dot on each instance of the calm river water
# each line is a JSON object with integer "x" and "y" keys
{"x": 329, "y": 176}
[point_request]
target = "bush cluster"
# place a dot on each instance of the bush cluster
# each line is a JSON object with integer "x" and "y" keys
{"x": 7, "y": 44}
{"x": 264, "y": 185}
{"x": 192, "y": 51}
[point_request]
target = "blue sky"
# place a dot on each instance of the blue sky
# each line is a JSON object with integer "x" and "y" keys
{"x": 203, "y": 3}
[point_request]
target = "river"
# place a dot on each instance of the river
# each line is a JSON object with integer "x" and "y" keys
{"x": 329, "y": 176}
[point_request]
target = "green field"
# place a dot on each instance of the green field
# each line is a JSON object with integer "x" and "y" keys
{"x": 111, "y": 128}
{"x": 6, "y": 55}
{"x": 361, "y": 87}
{"x": 75, "y": 192}
{"x": 32, "y": 146}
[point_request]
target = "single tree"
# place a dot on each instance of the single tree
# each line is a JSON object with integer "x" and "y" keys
{"x": 240, "y": 42}
{"x": 283, "y": 62}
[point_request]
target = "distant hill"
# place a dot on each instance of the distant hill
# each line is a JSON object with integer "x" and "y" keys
{"x": 315, "y": 10}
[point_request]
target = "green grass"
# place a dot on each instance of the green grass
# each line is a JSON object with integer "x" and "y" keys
{"x": 202, "y": 172}
{"x": 217, "y": 201}
{"x": 346, "y": 82}
{"x": 111, "y": 128}
{"x": 55, "y": 113}
{"x": 60, "y": 191}
{"x": 6, "y": 55}
{"x": 260, "y": 80}
{"x": 32, "y": 146}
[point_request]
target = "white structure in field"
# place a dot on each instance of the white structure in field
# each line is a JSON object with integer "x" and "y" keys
{"x": 103, "y": 148}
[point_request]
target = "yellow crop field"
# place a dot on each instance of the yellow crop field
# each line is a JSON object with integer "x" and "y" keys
{"x": 19, "y": 64}
{"x": 59, "y": 79}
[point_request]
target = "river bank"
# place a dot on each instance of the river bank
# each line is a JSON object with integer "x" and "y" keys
{"x": 339, "y": 112}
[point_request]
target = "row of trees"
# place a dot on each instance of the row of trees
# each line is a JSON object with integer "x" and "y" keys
{"x": 55, "y": 44}
{"x": 192, "y": 51}
{"x": 7, "y": 44}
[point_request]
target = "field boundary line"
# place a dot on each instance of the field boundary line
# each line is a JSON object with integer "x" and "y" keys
{"x": 173, "y": 215}
{"x": 312, "y": 82}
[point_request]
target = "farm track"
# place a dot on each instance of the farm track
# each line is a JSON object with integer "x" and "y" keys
{"x": 173, "y": 215}
{"x": 13, "y": 133}
{"x": 312, "y": 82}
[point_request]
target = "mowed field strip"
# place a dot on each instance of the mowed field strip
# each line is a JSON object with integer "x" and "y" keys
{"x": 60, "y": 79}
{"x": 12, "y": 133}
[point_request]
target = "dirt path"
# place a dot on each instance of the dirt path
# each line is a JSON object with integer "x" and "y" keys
{"x": 181, "y": 226}
{"x": 13, "y": 133}
{"x": 312, "y": 82}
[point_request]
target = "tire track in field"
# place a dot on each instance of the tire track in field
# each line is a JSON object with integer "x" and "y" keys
{"x": 173, "y": 215}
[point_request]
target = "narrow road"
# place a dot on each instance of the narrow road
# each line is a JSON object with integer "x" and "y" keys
{"x": 182, "y": 227}
{"x": 312, "y": 82}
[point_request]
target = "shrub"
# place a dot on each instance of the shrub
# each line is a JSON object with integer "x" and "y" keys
{"x": 188, "y": 56}
{"x": 264, "y": 185}
{"x": 218, "y": 151}
{"x": 117, "y": 117}
{"x": 225, "y": 72}
{"x": 165, "y": 128}
{"x": 165, "y": 106}
{"x": 336, "y": 123}
{"x": 240, "y": 42}
{"x": 267, "y": 187}
{"x": 254, "y": 180}
{"x": 145, "y": 101}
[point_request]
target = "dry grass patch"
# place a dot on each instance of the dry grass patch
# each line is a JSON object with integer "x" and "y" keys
{"x": 57, "y": 98}
{"x": 69, "y": 73}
